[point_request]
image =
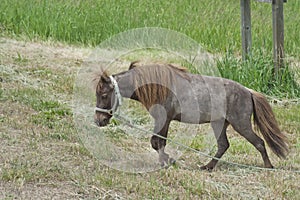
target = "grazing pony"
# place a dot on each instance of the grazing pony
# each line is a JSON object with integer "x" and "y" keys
{"x": 171, "y": 93}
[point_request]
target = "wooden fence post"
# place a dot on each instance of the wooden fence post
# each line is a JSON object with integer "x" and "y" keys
{"x": 246, "y": 28}
{"x": 278, "y": 34}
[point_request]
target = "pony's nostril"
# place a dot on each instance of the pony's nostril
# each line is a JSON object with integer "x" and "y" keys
{"x": 97, "y": 122}
{"x": 103, "y": 122}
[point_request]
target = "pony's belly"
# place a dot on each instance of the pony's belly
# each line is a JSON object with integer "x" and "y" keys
{"x": 193, "y": 118}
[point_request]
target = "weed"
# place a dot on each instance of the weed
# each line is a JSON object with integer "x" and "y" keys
{"x": 20, "y": 59}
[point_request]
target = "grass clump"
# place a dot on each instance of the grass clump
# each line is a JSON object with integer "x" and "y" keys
{"x": 49, "y": 113}
{"x": 37, "y": 100}
{"x": 258, "y": 74}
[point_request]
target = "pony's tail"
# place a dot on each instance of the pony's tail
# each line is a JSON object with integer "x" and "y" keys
{"x": 264, "y": 119}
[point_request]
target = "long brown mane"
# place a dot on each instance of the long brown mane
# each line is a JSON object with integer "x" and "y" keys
{"x": 154, "y": 81}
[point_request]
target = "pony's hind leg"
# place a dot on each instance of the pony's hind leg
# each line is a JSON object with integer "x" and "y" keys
{"x": 219, "y": 128}
{"x": 244, "y": 128}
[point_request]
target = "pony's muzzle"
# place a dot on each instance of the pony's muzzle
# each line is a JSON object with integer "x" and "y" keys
{"x": 101, "y": 119}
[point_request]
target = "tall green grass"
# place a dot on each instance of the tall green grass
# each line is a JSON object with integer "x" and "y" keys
{"x": 258, "y": 73}
{"x": 215, "y": 24}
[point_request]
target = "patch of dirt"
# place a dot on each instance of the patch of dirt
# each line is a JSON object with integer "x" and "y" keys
{"x": 54, "y": 55}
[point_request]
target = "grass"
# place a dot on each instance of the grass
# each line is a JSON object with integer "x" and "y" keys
{"x": 41, "y": 153}
{"x": 258, "y": 73}
{"x": 91, "y": 22}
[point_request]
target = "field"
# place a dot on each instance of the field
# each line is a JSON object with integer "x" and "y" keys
{"x": 43, "y": 45}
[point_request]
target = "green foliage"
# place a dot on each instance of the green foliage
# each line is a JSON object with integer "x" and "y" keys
{"x": 1, "y": 93}
{"x": 258, "y": 74}
{"x": 214, "y": 24}
{"x": 20, "y": 59}
{"x": 91, "y": 22}
{"x": 49, "y": 112}
{"x": 21, "y": 171}
{"x": 36, "y": 99}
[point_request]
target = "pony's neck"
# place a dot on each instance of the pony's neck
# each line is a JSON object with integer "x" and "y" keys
{"x": 126, "y": 86}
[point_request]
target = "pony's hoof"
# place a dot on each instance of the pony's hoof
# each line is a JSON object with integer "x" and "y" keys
{"x": 166, "y": 163}
{"x": 269, "y": 166}
{"x": 171, "y": 161}
{"x": 206, "y": 168}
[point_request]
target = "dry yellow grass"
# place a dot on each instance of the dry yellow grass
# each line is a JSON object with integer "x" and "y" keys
{"x": 41, "y": 156}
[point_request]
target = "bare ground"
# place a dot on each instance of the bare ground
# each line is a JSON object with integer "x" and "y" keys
{"x": 42, "y": 157}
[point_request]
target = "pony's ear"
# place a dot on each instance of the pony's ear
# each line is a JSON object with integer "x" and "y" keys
{"x": 105, "y": 79}
{"x": 133, "y": 64}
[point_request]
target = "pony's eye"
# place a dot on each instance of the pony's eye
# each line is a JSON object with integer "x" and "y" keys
{"x": 104, "y": 96}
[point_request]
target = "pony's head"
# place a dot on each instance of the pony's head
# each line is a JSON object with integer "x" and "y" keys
{"x": 106, "y": 99}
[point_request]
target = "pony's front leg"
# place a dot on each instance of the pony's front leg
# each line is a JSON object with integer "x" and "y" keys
{"x": 159, "y": 143}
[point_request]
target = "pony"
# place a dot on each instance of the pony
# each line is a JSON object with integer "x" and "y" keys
{"x": 170, "y": 92}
